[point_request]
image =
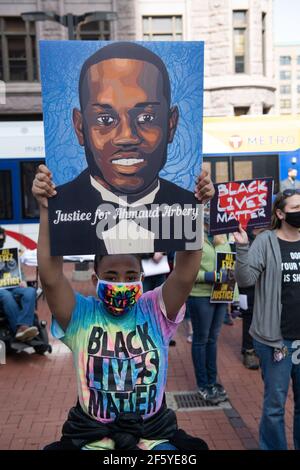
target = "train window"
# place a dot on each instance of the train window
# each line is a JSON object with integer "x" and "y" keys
{"x": 30, "y": 209}
{"x": 222, "y": 172}
{"x": 218, "y": 168}
{"x": 243, "y": 170}
{"x": 6, "y": 210}
{"x": 261, "y": 166}
{"x": 206, "y": 166}
{"x": 242, "y": 167}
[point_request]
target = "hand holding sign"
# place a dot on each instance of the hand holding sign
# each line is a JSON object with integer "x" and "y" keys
{"x": 204, "y": 190}
{"x": 219, "y": 277}
{"x": 241, "y": 237}
{"x": 43, "y": 186}
{"x": 228, "y": 275}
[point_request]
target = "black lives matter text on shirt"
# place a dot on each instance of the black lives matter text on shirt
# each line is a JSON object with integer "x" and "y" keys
{"x": 290, "y": 296}
{"x": 124, "y": 377}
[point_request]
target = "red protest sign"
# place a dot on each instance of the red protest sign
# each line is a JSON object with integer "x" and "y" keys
{"x": 246, "y": 202}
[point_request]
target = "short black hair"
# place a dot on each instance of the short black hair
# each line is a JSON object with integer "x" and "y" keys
{"x": 98, "y": 259}
{"x": 126, "y": 50}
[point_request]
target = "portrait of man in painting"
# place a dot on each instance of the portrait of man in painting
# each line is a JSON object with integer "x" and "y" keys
{"x": 125, "y": 123}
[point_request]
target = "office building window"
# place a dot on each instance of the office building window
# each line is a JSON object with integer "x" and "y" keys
{"x": 17, "y": 50}
{"x": 298, "y": 59}
{"x": 241, "y": 110}
{"x": 162, "y": 28}
{"x": 298, "y": 74}
{"x": 285, "y": 60}
{"x": 6, "y": 195}
{"x": 285, "y": 89}
{"x": 94, "y": 30}
{"x": 263, "y": 42}
{"x": 266, "y": 109}
{"x": 285, "y": 104}
{"x": 285, "y": 75}
{"x": 240, "y": 40}
{"x": 298, "y": 88}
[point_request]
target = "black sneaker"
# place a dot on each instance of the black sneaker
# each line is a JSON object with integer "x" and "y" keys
{"x": 203, "y": 392}
{"x": 217, "y": 394}
{"x": 210, "y": 395}
{"x": 221, "y": 391}
{"x": 250, "y": 359}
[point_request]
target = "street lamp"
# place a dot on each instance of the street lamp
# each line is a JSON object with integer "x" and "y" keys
{"x": 69, "y": 20}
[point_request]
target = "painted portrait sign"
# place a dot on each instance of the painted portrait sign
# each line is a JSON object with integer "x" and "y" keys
{"x": 247, "y": 202}
{"x": 123, "y": 138}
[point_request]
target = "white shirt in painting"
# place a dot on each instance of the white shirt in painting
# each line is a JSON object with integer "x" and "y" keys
{"x": 127, "y": 236}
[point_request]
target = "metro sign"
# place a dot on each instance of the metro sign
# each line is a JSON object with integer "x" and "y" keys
{"x": 235, "y": 141}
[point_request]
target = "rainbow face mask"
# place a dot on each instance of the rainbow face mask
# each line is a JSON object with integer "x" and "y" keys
{"x": 119, "y": 297}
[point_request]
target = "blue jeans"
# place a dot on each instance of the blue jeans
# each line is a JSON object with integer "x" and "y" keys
{"x": 16, "y": 314}
{"x": 164, "y": 446}
{"x": 207, "y": 320}
{"x": 276, "y": 377}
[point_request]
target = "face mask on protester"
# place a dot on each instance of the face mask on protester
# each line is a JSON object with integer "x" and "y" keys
{"x": 293, "y": 219}
{"x": 119, "y": 297}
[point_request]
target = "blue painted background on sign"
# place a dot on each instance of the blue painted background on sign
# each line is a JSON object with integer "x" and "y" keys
{"x": 61, "y": 62}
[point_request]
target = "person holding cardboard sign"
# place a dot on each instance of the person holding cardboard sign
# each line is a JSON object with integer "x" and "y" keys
{"x": 272, "y": 265}
{"x": 119, "y": 342}
{"x": 207, "y": 318}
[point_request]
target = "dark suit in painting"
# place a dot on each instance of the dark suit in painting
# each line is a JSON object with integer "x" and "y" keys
{"x": 79, "y": 197}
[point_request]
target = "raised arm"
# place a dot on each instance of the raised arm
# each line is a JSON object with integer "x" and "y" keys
{"x": 250, "y": 261}
{"x": 180, "y": 282}
{"x": 57, "y": 288}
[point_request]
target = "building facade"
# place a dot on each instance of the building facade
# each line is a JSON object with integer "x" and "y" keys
{"x": 237, "y": 34}
{"x": 287, "y": 77}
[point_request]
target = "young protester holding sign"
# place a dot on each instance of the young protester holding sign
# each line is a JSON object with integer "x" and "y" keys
{"x": 119, "y": 342}
{"x": 272, "y": 264}
{"x": 207, "y": 319}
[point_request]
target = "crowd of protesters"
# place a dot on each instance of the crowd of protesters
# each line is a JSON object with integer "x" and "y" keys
{"x": 267, "y": 273}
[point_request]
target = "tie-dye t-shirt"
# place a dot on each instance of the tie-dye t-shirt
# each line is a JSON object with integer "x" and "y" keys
{"x": 121, "y": 363}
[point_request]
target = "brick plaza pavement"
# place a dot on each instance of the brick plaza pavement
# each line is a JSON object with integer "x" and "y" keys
{"x": 36, "y": 392}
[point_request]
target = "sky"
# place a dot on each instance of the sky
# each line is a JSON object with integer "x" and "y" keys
{"x": 286, "y": 21}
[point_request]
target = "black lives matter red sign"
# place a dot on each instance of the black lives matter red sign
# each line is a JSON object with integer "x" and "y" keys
{"x": 248, "y": 203}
